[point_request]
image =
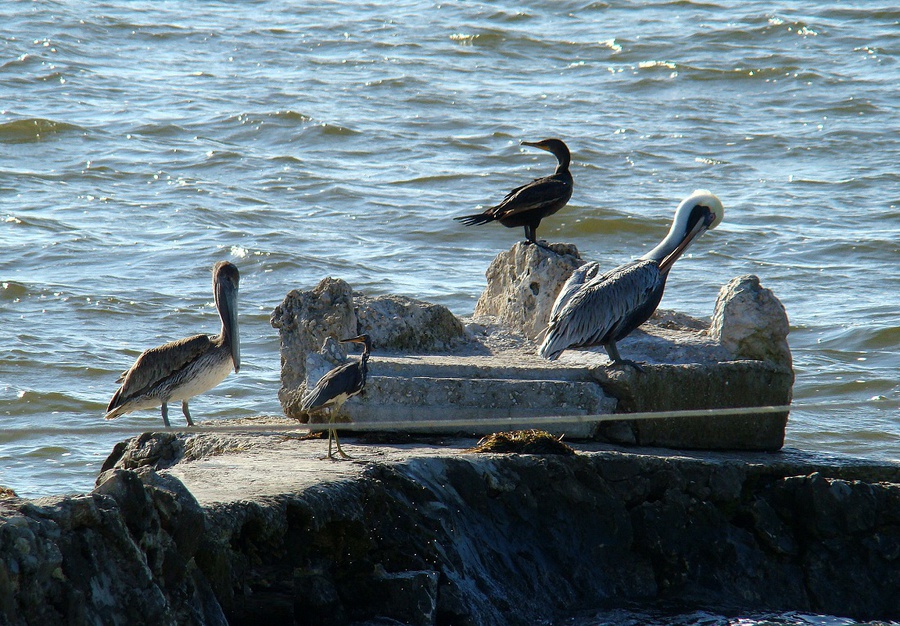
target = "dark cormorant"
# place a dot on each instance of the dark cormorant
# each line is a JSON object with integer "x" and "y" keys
{"x": 335, "y": 387}
{"x": 529, "y": 204}
{"x": 180, "y": 370}
{"x": 600, "y": 309}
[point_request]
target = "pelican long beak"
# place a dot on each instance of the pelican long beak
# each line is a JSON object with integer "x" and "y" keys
{"x": 698, "y": 229}
{"x": 226, "y": 303}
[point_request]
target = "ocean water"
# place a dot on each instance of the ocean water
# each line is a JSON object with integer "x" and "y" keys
{"x": 141, "y": 142}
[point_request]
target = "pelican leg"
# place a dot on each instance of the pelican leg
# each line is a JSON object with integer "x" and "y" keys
{"x": 187, "y": 413}
{"x": 617, "y": 359}
{"x": 165, "y": 414}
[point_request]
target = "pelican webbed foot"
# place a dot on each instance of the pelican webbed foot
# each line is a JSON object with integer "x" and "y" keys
{"x": 623, "y": 363}
{"x": 617, "y": 360}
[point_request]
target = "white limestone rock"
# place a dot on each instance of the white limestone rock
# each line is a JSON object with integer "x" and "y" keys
{"x": 751, "y": 322}
{"x": 523, "y": 282}
{"x": 304, "y": 320}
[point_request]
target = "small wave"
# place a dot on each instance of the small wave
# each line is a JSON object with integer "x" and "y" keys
{"x": 11, "y": 290}
{"x": 160, "y": 130}
{"x": 334, "y": 130}
{"x": 486, "y": 39}
{"x": 25, "y": 59}
{"x": 291, "y": 115}
{"x": 47, "y": 452}
{"x": 33, "y": 129}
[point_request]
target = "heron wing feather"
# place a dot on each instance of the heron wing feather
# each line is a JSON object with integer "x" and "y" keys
{"x": 344, "y": 378}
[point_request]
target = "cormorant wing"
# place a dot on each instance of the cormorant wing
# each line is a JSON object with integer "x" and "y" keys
{"x": 593, "y": 312}
{"x": 157, "y": 364}
{"x": 533, "y": 195}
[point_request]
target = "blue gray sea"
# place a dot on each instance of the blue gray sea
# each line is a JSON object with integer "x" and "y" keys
{"x": 141, "y": 142}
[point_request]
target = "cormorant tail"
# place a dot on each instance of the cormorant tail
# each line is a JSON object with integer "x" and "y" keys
{"x": 477, "y": 218}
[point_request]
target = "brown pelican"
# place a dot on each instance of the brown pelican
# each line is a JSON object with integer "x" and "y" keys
{"x": 529, "y": 204}
{"x": 180, "y": 370}
{"x": 335, "y": 387}
{"x": 600, "y": 309}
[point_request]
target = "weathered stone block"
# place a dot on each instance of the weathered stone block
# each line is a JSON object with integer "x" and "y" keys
{"x": 309, "y": 322}
{"x": 304, "y": 320}
{"x": 730, "y": 384}
{"x": 414, "y": 399}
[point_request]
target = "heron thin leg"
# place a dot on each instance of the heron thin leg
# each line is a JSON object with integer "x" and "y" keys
{"x": 530, "y": 234}
{"x": 187, "y": 413}
{"x": 165, "y": 414}
{"x": 337, "y": 441}
{"x": 331, "y": 433}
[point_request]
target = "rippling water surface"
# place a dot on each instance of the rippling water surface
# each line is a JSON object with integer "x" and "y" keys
{"x": 140, "y": 142}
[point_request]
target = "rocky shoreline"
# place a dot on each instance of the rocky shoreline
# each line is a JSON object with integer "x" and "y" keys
{"x": 255, "y": 528}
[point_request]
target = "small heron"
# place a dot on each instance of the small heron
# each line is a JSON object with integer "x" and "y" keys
{"x": 336, "y": 387}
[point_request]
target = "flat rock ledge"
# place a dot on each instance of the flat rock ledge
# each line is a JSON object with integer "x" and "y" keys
{"x": 210, "y": 529}
{"x": 427, "y": 365}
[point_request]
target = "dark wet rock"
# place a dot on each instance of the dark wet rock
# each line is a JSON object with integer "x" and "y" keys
{"x": 157, "y": 450}
{"x": 445, "y": 537}
{"x": 120, "y": 555}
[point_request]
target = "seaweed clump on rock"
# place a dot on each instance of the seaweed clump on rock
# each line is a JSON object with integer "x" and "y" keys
{"x": 531, "y": 441}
